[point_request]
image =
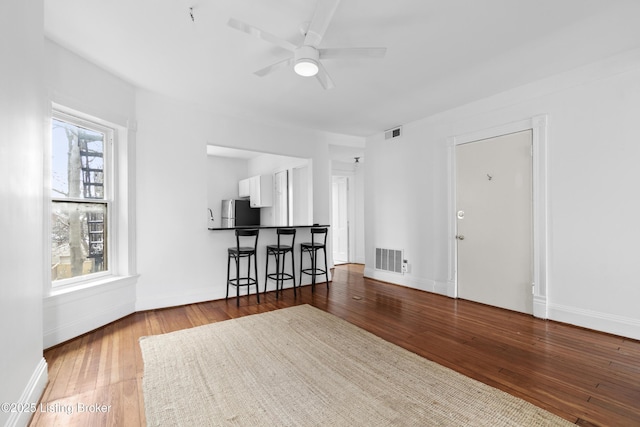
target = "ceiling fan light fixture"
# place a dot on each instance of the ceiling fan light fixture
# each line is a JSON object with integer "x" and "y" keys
{"x": 306, "y": 61}
{"x": 306, "y": 67}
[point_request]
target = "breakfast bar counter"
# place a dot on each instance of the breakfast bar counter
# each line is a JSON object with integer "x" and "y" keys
{"x": 266, "y": 227}
{"x": 267, "y": 236}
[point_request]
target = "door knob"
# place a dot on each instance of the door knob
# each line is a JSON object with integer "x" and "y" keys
{"x": 460, "y": 237}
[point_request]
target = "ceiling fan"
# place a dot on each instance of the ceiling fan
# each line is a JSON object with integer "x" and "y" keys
{"x": 306, "y": 59}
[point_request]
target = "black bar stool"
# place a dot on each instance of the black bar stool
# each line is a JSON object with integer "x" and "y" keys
{"x": 239, "y": 252}
{"x": 280, "y": 251}
{"x": 312, "y": 248}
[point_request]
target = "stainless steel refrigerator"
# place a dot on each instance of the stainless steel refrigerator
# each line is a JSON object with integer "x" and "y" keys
{"x": 238, "y": 213}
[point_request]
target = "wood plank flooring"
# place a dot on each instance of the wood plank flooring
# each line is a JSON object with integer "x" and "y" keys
{"x": 587, "y": 377}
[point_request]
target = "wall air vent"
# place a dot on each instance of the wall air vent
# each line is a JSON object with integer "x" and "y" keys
{"x": 389, "y": 260}
{"x": 393, "y": 133}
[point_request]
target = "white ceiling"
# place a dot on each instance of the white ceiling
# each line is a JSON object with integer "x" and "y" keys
{"x": 441, "y": 53}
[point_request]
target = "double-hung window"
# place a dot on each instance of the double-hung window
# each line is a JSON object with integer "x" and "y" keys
{"x": 81, "y": 198}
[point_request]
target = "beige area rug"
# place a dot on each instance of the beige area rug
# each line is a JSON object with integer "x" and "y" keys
{"x": 300, "y": 366}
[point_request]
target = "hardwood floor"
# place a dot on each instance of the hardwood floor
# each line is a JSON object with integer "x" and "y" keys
{"x": 587, "y": 377}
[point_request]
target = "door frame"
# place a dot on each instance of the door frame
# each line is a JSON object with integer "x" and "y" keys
{"x": 538, "y": 126}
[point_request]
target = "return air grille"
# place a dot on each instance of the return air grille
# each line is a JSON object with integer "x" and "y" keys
{"x": 393, "y": 133}
{"x": 389, "y": 260}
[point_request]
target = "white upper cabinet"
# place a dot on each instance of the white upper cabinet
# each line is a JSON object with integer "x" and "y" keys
{"x": 261, "y": 191}
{"x": 244, "y": 188}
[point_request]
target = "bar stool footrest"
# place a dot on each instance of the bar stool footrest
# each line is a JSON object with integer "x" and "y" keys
{"x": 312, "y": 272}
{"x": 235, "y": 282}
{"x": 280, "y": 276}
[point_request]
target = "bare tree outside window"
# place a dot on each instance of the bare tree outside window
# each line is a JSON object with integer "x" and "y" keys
{"x": 79, "y": 207}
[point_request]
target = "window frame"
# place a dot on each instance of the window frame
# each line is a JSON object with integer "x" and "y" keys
{"x": 109, "y": 191}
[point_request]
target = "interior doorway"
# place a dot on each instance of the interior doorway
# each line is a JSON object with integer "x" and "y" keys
{"x": 340, "y": 219}
{"x": 494, "y": 221}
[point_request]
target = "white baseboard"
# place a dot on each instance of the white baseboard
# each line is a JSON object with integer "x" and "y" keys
{"x": 30, "y": 395}
{"x": 407, "y": 280}
{"x": 176, "y": 299}
{"x": 604, "y": 322}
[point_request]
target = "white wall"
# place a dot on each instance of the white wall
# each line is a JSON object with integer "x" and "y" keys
{"x": 359, "y": 215}
{"x": 76, "y": 84}
{"x": 179, "y": 261}
{"x": 592, "y": 179}
{"x": 23, "y": 371}
{"x": 269, "y": 163}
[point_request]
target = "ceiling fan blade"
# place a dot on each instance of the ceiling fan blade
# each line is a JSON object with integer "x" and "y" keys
{"x": 353, "y": 52}
{"x": 257, "y": 32}
{"x": 273, "y": 67}
{"x": 324, "y": 78}
{"x": 320, "y": 22}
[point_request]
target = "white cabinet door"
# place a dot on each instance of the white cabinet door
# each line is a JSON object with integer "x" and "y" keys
{"x": 244, "y": 188}
{"x": 261, "y": 189}
{"x": 254, "y": 190}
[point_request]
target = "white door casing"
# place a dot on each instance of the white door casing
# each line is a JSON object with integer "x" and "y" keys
{"x": 538, "y": 127}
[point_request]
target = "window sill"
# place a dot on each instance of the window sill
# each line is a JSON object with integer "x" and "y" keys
{"x": 97, "y": 285}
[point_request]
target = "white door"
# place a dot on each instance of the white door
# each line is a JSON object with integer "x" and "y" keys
{"x": 494, "y": 221}
{"x": 340, "y": 223}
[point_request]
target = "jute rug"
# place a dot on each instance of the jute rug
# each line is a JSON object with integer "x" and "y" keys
{"x": 300, "y": 366}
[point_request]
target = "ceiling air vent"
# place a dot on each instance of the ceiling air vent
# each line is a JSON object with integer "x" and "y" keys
{"x": 393, "y": 133}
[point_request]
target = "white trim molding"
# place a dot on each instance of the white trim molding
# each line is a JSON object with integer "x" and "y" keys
{"x": 538, "y": 126}
{"x": 605, "y": 322}
{"x": 30, "y": 395}
{"x": 406, "y": 280}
